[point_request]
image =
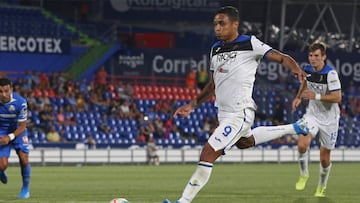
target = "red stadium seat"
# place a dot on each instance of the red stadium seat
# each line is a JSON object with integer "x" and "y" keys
{"x": 149, "y": 89}
{"x": 180, "y": 90}
{"x": 157, "y": 95}
{"x": 174, "y": 90}
{"x": 171, "y": 96}
{"x": 164, "y": 97}
{"x": 168, "y": 90}
{"x": 155, "y": 89}
{"x": 142, "y": 88}
{"x": 136, "y": 89}
{"x": 161, "y": 89}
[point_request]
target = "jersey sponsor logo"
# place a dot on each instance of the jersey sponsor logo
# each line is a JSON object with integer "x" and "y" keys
{"x": 317, "y": 87}
{"x": 226, "y": 56}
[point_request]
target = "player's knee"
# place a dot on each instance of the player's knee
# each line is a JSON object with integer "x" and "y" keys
{"x": 24, "y": 162}
{"x": 208, "y": 154}
{"x": 3, "y": 166}
{"x": 324, "y": 162}
{"x": 302, "y": 146}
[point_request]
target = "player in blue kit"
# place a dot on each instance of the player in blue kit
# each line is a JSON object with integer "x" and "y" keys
{"x": 13, "y": 134}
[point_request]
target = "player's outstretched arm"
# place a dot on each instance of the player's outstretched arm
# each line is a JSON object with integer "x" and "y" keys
{"x": 297, "y": 100}
{"x": 288, "y": 62}
{"x": 204, "y": 95}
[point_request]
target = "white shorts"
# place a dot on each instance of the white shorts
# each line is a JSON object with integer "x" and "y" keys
{"x": 231, "y": 128}
{"x": 327, "y": 133}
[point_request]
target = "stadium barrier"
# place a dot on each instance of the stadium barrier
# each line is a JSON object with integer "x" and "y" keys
{"x": 137, "y": 155}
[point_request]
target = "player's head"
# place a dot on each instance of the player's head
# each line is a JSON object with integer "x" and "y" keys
{"x": 226, "y": 23}
{"x": 317, "y": 54}
{"x": 5, "y": 90}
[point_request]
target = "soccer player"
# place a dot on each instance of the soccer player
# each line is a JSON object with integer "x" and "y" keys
{"x": 13, "y": 134}
{"x": 234, "y": 60}
{"x": 323, "y": 90}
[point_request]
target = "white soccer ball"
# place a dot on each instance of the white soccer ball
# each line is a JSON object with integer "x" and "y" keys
{"x": 119, "y": 200}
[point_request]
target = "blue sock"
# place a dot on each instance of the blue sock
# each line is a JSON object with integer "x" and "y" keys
{"x": 25, "y": 173}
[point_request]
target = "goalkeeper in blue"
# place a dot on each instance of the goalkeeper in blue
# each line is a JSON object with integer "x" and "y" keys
{"x": 13, "y": 134}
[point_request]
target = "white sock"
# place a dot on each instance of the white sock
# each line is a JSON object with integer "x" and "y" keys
{"x": 304, "y": 163}
{"x": 324, "y": 175}
{"x": 266, "y": 133}
{"x": 197, "y": 181}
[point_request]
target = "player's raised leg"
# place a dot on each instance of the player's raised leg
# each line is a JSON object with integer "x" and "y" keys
{"x": 264, "y": 134}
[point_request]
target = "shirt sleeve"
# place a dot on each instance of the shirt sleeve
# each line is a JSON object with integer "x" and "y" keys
{"x": 333, "y": 81}
{"x": 259, "y": 47}
{"x": 23, "y": 112}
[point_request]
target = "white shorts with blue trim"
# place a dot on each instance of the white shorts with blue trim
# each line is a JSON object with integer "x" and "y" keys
{"x": 232, "y": 126}
{"x": 327, "y": 133}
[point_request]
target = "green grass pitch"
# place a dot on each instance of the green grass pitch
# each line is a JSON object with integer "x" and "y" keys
{"x": 230, "y": 183}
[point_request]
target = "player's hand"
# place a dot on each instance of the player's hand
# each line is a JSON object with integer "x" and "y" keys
{"x": 300, "y": 74}
{"x": 4, "y": 140}
{"x": 308, "y": 94}
{"x": 295, "y": 103}
{"x": 184, "y": 110}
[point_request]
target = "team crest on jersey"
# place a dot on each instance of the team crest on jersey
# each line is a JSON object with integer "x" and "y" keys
{"x": 11, "y": 108}
{"x": 321, "y": 78}
{"x": 25, "y": 139}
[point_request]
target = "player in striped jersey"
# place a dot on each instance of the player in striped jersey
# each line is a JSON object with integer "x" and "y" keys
{"x": 13, "y": 134}
{"x": 323, "y": 90}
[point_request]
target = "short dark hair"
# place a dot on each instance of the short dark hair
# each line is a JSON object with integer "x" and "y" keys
{"x": 318, "y": 45}
{"x": 230, "y": 11}
{"x": 5, "y": 81}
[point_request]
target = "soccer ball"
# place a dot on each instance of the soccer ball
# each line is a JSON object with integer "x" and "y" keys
{"x": 119, "y": 200}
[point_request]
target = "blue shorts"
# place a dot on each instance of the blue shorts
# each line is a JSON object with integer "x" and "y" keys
{"x": 20, "y": 143}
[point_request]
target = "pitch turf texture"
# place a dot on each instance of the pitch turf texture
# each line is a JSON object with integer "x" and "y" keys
{"x": 252, "y": 183}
